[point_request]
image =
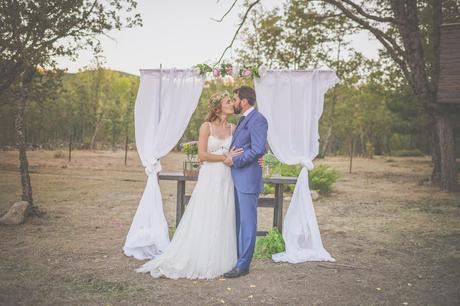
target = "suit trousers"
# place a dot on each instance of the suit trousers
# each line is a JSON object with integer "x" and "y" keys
{"x": 246, "y": 226}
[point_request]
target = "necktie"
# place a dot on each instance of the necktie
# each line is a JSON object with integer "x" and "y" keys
{"x": 241, "y": 119}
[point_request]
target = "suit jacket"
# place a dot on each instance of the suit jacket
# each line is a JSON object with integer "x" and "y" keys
{"x": 251, "y": 135}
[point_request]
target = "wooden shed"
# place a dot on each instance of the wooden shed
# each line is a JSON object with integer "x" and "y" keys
{"x": 449, "y": 78}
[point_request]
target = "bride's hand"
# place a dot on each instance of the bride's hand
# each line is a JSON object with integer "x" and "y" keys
{"x": 235, "y": 152}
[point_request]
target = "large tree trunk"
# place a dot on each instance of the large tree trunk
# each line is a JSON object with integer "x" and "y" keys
{"x": 21, "y": 139}
{"x": 445, "y": 133}
{"x": 435, "y": 157}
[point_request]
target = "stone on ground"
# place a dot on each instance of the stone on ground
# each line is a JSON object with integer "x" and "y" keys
{"x": 15, "y": 214}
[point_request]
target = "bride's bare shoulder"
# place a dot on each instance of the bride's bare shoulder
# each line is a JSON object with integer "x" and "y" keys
{"x": 205, "y": 127}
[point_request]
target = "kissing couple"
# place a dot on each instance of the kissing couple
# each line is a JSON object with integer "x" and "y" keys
{"x": 217, "y": 233}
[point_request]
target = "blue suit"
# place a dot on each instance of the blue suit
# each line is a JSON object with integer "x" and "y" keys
{"x": 251, "y": 135}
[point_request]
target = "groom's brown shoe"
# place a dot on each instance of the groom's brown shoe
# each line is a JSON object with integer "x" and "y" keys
{"x": 236, "y": 272}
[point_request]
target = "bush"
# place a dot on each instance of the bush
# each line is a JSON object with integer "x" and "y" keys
{"x": 59, "y": 154}
{"x": 322, "y": 178}
{"x": 270, "y": 244}
{"x": 407, "y": 153}
{"x": 268, "y": 189}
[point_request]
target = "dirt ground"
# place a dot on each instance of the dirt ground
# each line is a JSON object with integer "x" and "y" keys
{"x": 396, "y": 241}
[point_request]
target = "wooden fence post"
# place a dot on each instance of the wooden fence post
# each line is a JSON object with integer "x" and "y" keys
{"x": 126, "y": 150}
{"x": 70, "y": 148}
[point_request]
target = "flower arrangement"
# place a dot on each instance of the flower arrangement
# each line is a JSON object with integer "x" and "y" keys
{"x": 190, "y": 149}
{"x": 226, "y": 69}
{"x": 191, "y": 165}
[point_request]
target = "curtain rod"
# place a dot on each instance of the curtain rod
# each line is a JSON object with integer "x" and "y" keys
{"x": 164, "y": 69}
{"x": 186, "y": 69}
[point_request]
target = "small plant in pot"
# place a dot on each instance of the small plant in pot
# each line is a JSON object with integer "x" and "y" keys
{"x": 191, "y": 165}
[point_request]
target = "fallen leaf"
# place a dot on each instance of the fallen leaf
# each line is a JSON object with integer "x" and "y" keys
{"x": 222, "y": 301}
{"x": 252, "y": 286}
{"x": 405, "y": 303}
{"x": 250, "y": 297}
{"x": 229, "y": 289}
{"x": 409, "y": 284}
{"x": 221, "y": 279}
{"x": 378, "y": 289}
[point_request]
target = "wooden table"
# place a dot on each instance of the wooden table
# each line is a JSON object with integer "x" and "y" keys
{"x": 276, "y": 202}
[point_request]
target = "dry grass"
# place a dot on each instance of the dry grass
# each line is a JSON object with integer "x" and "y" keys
{"x": 395, "y": 241}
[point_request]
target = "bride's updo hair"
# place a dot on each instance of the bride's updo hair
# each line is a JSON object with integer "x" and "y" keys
{"x": 215, "y": 105}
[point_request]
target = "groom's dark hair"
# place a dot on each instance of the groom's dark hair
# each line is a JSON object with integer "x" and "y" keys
{"x": 246, "y": 92}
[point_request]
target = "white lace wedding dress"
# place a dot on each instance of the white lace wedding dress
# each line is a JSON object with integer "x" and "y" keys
{"x": 204, "y": 245}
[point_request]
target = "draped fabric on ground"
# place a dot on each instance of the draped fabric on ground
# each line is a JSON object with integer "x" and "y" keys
{"x": 292, "y": 102}
{"x": 164, "y": 105}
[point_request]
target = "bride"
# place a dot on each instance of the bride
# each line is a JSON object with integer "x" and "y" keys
{"x": 204, "y": 244}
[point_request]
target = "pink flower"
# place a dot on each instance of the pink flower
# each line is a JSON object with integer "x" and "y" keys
{"x": 216, "y": 72}
{"x": 246, "y": 72}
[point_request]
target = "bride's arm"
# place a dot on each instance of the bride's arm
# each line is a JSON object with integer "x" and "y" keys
{"x": 203, "y": 155}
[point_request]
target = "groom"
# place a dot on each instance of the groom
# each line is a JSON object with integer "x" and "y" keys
{"x": 250, "y": 135}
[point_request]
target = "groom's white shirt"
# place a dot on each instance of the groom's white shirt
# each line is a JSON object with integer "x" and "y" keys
{"x": 248, "y": 111}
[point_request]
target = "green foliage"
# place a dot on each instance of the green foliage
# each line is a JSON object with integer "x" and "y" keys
{"x": 226, "y": 69}
{"x": 190, "y": 148}
{"x": 270, "y": 244}
{"x": 407, "y": 153}
{"x": 46, "y": 30}
{"x": 95, "y": 106}
{"x": 322, "y": 178}
{"x": 373, "y": 104}
{"x": 268, "y": 189}
{"x": 295, "y": 36}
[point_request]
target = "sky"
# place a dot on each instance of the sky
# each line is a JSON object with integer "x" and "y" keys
{"x": 180, "y": 34}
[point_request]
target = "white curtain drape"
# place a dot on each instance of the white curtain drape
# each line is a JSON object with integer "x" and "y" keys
{"x": 292, "y": 102}
{"x": 164, "y": 105}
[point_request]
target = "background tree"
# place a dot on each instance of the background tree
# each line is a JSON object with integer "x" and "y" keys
{"x": 410, "y": 34}
{"x": 34, "y": 33}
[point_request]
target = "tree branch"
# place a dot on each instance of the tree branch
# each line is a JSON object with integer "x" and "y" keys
{"x": 361, "y": 11}
{"x": 390, "y": 44}
{"x": 237, "y": 30}
{"x": 226, "y": 13}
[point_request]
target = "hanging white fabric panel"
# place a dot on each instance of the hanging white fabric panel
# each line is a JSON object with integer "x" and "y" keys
{"x": 292, "y": 102}
{"x": 164, "y": 105}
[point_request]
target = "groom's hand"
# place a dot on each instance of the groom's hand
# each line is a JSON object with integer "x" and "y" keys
{"x": 232, "y": 153}
{"x": 261, "y": 161}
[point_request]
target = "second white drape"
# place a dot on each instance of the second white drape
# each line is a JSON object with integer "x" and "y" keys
{"x": 293, "y": 101}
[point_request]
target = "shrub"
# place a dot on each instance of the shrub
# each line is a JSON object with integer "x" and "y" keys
{"x": 407, "y": 153}
{"x": 59, "y": 154}
{"x": 290, "y": 170}
{"x": 270, "y": 244}
{"x": 268, "y": 189}
{"x": 322, "y": 178}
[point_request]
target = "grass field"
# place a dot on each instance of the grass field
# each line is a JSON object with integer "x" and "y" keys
{"x": 396, "y": 241}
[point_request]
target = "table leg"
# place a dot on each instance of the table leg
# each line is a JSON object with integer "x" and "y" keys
{"x": 180, "y": 201}
{"x": 275, "y": 208}
{"x": 278, "y": 214}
